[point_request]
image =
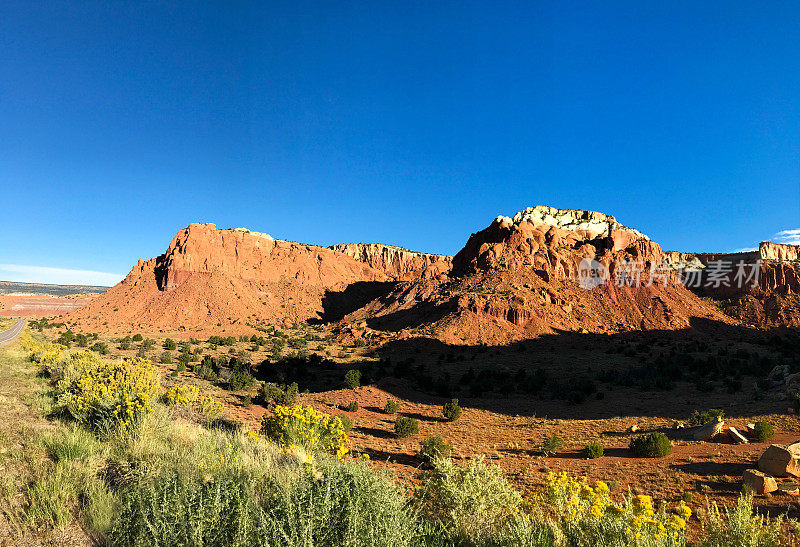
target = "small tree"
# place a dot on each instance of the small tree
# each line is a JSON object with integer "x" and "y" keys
{"x": 352, "y": 378}
{"x": 391, "y": 407}
{"x": 405, "y": 426}
{"x": 593, "y": 450}
{"x": 432, "y": 448}
{"x": 763, "y": 431}
{"x": 552, "y": 445}
{"x": 451, "y": 410}
{"x": 654, "y": 445}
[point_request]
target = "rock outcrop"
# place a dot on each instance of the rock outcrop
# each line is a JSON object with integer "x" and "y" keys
{"x": 520, "y": 276}
{"x": 396, "y": 262}
{"x": 209, "y": 279}
{"x": 552, "y": 242}
{"x": 779, "y": 251}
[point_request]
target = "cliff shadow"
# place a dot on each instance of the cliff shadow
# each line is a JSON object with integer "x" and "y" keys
{"x": 337, "y": 304}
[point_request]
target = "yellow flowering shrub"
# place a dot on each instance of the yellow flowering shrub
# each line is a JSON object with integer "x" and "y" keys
{"x": 108, "y": 395}
{"x": 305, "y": 427}
{"x": 44, "y": 353}
{"x": 209, "y": 406}
{"x": 587, "y": 512}
{"x": 182, "y": 395}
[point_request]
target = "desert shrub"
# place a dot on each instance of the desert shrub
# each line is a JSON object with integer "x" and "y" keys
{"x": 182, "y": 395}
{"x": 700, "y": 418}
{"x": 107, "y": 395}
{"x": 180, "y": 367}
{"x": 169, "y": 344}
{"x": 347, "y": 423}
{"x": 270, "y": 392}
{"x": 45, "y": 353}
{"x": 209, "y": 407}
{"x": 137, "y": 338}
{"x": 359, "y": 343}
{"x": 405, "y": 426}
{"x": 763, "y": 431}
{"x": 240, "y": 379}
{"x": 434, "y": 447}
{"x": 391, "y": 407}
{"x": 352, "y": 406}
{"x": 247, "y": 400}
{"x": 165, "y": 358}
{"x": 739, "y": 527}
{"x": 305, "y": 427}
{"x": 451, "y": 410}
{"x": 346, "y": 505}
{"x": 469, "y": 500}
{"x": 551, "y": 445}
{"x": 592, "y": 450}
{"x": 173, "y": 510}
{"x": 352, "y": 378}
{"x": 587, "y": 516}
{"x": 653, "y": 445}
{"x": 100, "y": 347}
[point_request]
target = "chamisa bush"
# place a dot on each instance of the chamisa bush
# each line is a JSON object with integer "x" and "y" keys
{"x": 182, "y": 395}
{"x": 108, "y": 395}
{"x": 405, "y": 426}
{"x": 587, "y": 516}
{"x": 209, "y": 407}
{"x": 451, "y": 410}
{"x": 592, "y": 450}
{"x": 304, "y": 427}
{"x": 468, "y": 501}
{"x": 654, "y": 445}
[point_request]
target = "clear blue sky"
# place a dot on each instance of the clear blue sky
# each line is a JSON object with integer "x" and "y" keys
{"x": 409, "y": 123}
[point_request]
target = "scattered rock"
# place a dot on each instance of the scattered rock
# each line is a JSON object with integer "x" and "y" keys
{"x": 632, "y": 429}
{"x": 789, "y": 488}
{"x": 758, "y": 482}
{"x": 737, "y": 437}
{"x": 678, "y": 425}
{"x": 709, "y": 430}
{"x": 781, "y": 461}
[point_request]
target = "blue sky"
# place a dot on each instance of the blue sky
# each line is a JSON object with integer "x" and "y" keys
{"x": 409, "y": 123}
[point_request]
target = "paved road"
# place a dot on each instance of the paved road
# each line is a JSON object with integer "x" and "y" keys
{"x": 8, "y": 335}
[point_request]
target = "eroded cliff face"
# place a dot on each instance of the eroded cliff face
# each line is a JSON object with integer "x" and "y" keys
{"x": 255, "y": 257}
{"x": 552, "y": 242}
{"x": 210, "y": 279}
{"x": 779, "y": 251}
{"x": 397, "y": 263}
{"x": 519, "y": 278}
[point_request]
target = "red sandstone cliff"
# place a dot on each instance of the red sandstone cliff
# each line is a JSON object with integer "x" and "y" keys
{"x": 396, "y": 262}
{"x": 209, "y": 279}
{"x": 519, "y": 278}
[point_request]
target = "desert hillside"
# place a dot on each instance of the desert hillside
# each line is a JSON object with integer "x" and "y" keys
{"x": 517, "y": 278}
